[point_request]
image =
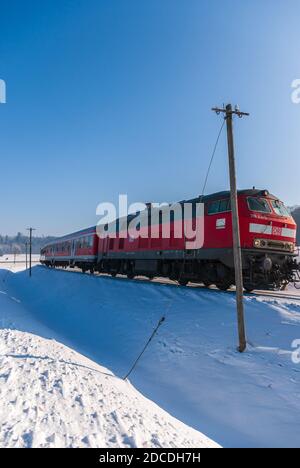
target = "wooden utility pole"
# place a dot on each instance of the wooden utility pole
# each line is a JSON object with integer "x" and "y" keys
{"x": 26, "y": 253}
{"x": 30, "y": 249}
{"x": 237, "y": 253}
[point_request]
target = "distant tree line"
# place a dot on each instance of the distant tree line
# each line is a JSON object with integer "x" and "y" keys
{"x": 17, "y": 244}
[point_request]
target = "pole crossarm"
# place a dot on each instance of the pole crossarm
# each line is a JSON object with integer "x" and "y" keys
{"x": 235, "y": 111}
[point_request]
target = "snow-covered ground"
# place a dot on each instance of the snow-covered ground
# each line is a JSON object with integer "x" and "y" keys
{"x": 10, "y": 258}
{"x": 192, "y": 368}
{"x": 51, "y": 396}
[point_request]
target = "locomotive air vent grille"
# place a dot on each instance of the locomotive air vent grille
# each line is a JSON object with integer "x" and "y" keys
{"x": 275, "y": 245}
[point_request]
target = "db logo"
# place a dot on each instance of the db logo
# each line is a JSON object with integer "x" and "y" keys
{"x": 276, "y": 231}
{"x": 296, "y": 353}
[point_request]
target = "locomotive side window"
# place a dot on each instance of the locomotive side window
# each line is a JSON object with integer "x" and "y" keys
{"x": 219, "y": 206}
{"x": 279, "y": 208}
{"x": 259, "y": 204}
{"x": 224, "y": 206}
{"x": 213, "y": 208}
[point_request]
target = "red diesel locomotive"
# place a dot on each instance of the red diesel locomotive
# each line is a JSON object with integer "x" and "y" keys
{"x": 268, "y": 242}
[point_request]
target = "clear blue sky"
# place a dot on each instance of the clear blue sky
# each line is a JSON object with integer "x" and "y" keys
{"x": 108, "y": 97}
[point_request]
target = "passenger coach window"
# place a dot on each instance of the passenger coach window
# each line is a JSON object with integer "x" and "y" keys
{"x": 259, "y": 204}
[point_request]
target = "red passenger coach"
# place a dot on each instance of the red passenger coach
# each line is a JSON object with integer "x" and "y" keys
{"x": 78, "y": 249}
{"x": 268, "y": 242}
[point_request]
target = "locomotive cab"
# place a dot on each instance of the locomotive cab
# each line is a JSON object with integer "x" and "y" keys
{"x": 268, "y": 240}
{"x": 270, "y": 227}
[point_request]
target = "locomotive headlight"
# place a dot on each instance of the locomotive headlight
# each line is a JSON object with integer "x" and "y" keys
{"x": 256, "y": 243}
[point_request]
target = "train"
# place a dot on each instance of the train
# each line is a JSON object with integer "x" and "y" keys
{"x": 267, "y": 236}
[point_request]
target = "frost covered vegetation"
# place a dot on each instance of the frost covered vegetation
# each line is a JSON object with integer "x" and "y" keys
{"x": 17, "y": 244}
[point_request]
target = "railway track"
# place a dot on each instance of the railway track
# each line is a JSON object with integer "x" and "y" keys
{"x": 271, "y": 294}
{"x": 276, "y": 294}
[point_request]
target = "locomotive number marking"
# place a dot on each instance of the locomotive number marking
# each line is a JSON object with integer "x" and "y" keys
{"x": 277, "y": 231}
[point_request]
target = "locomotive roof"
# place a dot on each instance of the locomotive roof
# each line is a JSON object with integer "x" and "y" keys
{"x": 226, "y": 194}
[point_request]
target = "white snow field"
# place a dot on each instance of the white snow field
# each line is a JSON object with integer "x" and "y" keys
{"x": 51, "y": 396}
{"x": 19, "y": 258}
{"x": 192, "y": 368}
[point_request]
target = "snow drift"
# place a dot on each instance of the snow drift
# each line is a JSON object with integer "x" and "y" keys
{"x": 192, "y": 368}
{"x": 51, "y": 396}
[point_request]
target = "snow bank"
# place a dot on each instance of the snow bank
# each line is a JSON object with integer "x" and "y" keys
{"x": 192, "y": 368}
{"x": 51, "y": 396}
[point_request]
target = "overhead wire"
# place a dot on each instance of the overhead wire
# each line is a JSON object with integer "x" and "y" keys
{"x": 212, "y": 158}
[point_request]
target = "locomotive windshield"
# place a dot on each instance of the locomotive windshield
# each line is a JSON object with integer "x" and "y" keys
{"x": 259, "y": 204}
{"x": 279, "y": 208}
